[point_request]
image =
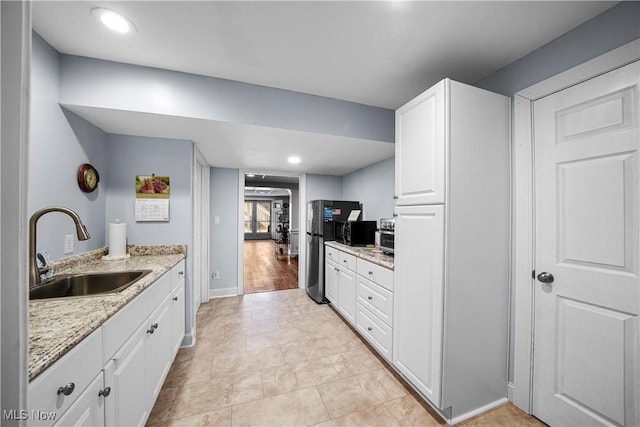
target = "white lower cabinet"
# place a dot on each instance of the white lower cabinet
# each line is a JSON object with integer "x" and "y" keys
{"x": 347, "y": 294}
{"x": 177, "y": 317}
{"x": 127, "y": 374}
{"x": 331, "y": 278}
{"x": 362, "y": 292}
{"x": 114, "y": 376}
{"x": 88, "y": 409}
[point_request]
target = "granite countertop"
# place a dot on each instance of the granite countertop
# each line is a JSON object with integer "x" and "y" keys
{"x": 57, "y": 325}
{"x": 369, "y": 253}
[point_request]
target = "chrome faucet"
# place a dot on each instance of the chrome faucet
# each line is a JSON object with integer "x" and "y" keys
{"x": 81, "y": 231}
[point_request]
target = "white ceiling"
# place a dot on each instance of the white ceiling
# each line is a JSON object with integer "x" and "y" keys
{"x": 379, "y": 53}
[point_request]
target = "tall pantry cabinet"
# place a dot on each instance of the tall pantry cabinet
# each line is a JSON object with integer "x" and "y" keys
{"x": 452, "y": 245}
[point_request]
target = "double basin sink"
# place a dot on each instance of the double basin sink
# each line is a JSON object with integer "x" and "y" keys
{"x": 79, "y": 285}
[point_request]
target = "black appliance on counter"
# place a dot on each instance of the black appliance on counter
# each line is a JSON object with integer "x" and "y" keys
{"x": 360, "y": 233}
{"x": 325, "y": 222}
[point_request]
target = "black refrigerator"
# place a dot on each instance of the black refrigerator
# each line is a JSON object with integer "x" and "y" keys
{"x": 325, "y": 219}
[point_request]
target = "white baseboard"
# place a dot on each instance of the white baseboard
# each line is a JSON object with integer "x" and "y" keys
{"x": 510, "y": 392}
{"x": 222, "y": 293}
{"x": 478, "y": 411}
{"x": 189, "y": 339}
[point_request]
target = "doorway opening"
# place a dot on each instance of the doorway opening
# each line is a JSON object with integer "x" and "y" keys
{"x": 271, "y": 232}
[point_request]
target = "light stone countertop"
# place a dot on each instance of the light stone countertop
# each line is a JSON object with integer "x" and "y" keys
{"x": 369, "y": 253}
{"x": 56, "y": 325}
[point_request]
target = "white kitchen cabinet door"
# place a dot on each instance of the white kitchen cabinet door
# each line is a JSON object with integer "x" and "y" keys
{"x": 331, "y": 277}
{"x": 418, "y": 297}
{"x": 88, "y": 409}
{"x": 177, "y": 318}
{"x": 159, "y": 348}
{"x": 127, "y": 374}
{"x": 421, "y": 147}
{"x": 347, "y": 294}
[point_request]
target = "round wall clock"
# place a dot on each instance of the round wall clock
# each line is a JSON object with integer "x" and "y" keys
{"x": 88, "y": 178}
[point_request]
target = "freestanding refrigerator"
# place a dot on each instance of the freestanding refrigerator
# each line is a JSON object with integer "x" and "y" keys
{"x": 323, "y": 217}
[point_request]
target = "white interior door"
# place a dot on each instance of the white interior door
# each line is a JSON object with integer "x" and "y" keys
{"x": 587, "y": 213}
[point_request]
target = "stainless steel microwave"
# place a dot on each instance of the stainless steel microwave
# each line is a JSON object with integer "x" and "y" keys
{"x": 387, "y": 235}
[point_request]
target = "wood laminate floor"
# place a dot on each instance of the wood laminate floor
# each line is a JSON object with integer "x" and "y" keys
{"x": 280, "y": 359}
{"x": 266, "y": 270}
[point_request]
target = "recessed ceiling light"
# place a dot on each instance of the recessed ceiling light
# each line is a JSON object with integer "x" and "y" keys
{"x": 293, "y": 159}
{"x": 114, "y": 21}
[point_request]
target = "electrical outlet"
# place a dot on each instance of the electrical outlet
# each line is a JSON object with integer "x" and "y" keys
{"x": 68, "y": 243}
{"x": 216, "y": 275}
{"x": 216, "y": 220}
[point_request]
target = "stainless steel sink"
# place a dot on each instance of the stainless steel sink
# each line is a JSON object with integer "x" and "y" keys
{"x": 77, "y": 285}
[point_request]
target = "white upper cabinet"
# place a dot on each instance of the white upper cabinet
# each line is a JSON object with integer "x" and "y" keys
{"x": 420, "y": 157}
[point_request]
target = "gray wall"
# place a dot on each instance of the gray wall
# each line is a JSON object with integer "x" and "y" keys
{"x": 326, "y": 187}
{"x": 372, "y": 186}
{"x": 59, "y": 143}
{"x": 607, "y": 31}
{"x": 104, "y": 84}
{"x": 224, "y": 236}
{"x": 129, "y": 156}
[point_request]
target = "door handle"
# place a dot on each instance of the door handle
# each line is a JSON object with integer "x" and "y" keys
{"x": 545, "y": 277}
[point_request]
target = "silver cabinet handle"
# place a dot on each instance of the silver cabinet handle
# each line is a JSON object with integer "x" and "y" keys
{"x": 105, "y": 392}
{"x": 67, "y": 389}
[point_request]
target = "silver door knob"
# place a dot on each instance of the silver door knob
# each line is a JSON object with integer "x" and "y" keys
{"x": 545, "y": 277}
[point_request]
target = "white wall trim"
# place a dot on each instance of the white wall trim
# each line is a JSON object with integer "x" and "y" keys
{"x": 240, "y": 257}
{"x": 478, "y": 411}
{"x": 524, "y": 208}
{"x": 222, "y": 293}
{"x": 15, "y": 59}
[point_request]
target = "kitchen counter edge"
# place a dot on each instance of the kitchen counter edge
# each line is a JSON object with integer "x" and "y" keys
{"x": 368, "y": 253}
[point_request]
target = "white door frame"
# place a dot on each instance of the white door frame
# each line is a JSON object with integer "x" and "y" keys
{"x": 205, "y": 196}
{"x": 302, "y": 224}
{"x": 524, "y": 227}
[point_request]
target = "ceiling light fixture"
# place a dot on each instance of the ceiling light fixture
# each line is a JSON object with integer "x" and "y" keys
{"x": 293, "y": 159}
{"x": 114, "y": 20}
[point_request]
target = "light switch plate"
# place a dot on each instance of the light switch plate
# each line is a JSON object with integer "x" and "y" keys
{"x": 68, "y": 243}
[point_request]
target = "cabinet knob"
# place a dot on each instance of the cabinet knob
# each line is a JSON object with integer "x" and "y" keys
{"x": 180, "y": 273}
{"x": 151, "y": 330}
{"x": 369, "y": 329}
{"x": 395, "y": 197}
{"x": 175, "y": 298}
{"x": 369, "y": 297}
{"x": 105, "y": 392}
{"x": 67, "y": 389}
{"x": 154, "y": 326}
{"x": 371, "y": 272}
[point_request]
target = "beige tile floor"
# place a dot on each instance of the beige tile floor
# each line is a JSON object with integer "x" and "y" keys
{"x": 279, "y": 359}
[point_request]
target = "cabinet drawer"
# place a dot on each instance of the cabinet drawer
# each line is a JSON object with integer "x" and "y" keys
{"x": 177, "y": 274}
{"x": 119, "y": 327}
{"x": 347, "y": 260}
{"x": 375, "y": 331}
{"x": 331, "y": 253}
{"x": 79, "y": 366}
{"x": 376, "y": 273}
{"x": 376, "y": 299}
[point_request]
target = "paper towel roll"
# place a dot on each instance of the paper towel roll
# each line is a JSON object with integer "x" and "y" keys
{"x": 117, "y": 239}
